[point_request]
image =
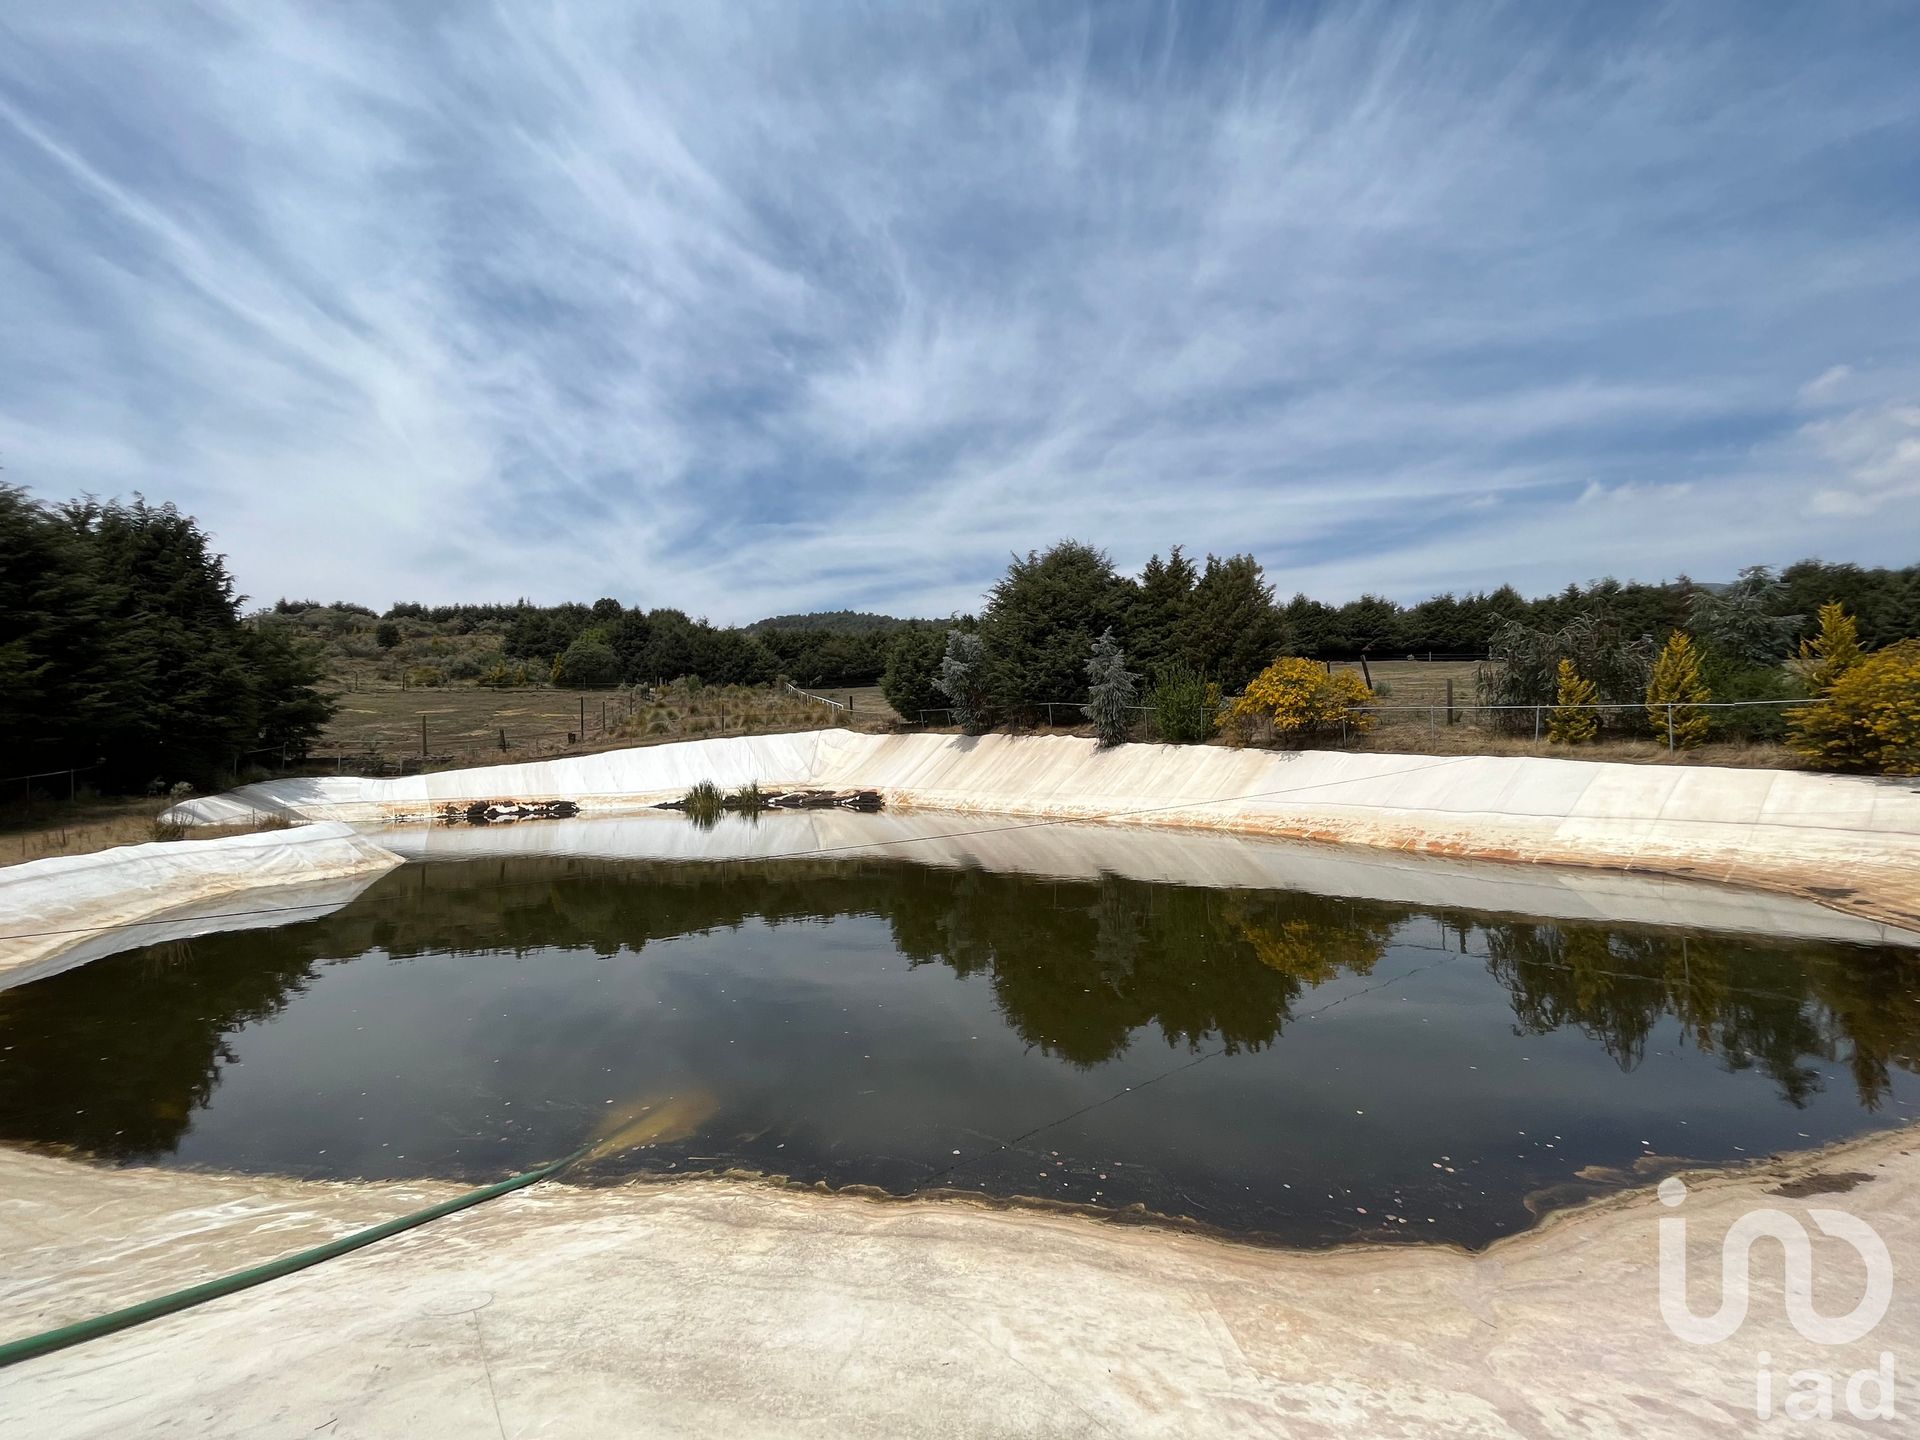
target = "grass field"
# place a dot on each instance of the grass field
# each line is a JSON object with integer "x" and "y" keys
{"x": 1417, "y": 682}
{"x": 463, "y": 718}
{"x": 467, "y": 724}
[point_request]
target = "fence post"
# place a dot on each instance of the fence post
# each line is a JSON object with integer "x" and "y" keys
{"x": 1536, "y": 724}
{"x": 583, "y": 717}
{"x": 1669, "y": 727}
{"x": 1449, "y": 700}
{"x": 423, "y": 737}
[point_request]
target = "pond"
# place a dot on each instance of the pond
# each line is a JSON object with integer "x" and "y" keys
{"x": 1300, "y": 1067}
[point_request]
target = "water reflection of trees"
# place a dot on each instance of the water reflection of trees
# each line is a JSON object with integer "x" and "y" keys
{"x": 1752, "y": 1004}
{"x": 115, "y": 1056}
{"x": 1079, "y": 967}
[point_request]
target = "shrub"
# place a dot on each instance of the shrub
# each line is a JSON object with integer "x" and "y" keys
{"x": 1301, "y": 701}
{"x": 1676, "y": 692}
{"x": 1110, "y": 691}
{"x": 158, "y": 829}
{"x": 386, "y": 634}
{"x": 1184, "y": 706}
{"x": 1871, "y": 718}
{"x": 1570, "y": 723}
{"x": 1732, "y": 682}
{"x": 429, "y": 676}
{"x": 587, "y": 661}
{"x": 1525, "y": 668}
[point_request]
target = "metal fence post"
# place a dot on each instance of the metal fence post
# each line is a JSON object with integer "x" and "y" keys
{"x": 1669, "y": 727}
{"x": 1536, "y": 724}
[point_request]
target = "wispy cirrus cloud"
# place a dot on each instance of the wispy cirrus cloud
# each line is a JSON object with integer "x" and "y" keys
{"x": 766, "y": 308}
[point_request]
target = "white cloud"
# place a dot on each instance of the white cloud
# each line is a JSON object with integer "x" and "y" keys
{"x": 1873, "y": 458}
{"x": 754, "y": 309}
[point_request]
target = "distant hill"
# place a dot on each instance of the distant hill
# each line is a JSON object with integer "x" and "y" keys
{"x": 842, "y": 622}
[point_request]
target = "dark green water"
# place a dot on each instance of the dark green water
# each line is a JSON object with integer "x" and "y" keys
{"x": 1268, "y": 1062}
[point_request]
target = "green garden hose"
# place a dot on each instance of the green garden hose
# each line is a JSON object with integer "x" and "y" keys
{"x": 81, "y": 1331}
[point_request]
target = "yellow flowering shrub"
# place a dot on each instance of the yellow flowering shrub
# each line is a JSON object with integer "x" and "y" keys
{"x": 1301, "y": 701}
{"x": 1871, "y": 720}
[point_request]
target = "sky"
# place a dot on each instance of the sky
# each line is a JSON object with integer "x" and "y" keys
{"x": 750, "y": 309}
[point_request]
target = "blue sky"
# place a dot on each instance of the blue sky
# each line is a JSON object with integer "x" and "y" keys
{"x": 752, "y": 309}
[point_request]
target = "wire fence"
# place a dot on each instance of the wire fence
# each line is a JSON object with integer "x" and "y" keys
{"x": 70, "y": 775}
{"x": 1643, "y": 721}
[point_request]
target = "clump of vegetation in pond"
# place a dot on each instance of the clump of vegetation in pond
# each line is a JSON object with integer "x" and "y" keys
{"x": 704, "y": 803}
{"x": 749, "y": 799}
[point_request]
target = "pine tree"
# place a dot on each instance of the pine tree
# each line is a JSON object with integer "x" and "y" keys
{"x": 1111, "y": 691}
{"x": 1569, "y": 723}
{"x": 1676, "y": 692}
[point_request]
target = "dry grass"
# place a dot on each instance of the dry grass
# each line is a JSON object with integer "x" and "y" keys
{"x": 387, "y": 721}
{"x": 1418, "y": 682}
{"x": 1470, "y": 740}
{"x": 82, "y": 827}
{"x": 465, "y": 724}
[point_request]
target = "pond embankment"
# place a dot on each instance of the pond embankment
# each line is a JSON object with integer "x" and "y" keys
{"x": 710, "y": 1306}
{"x": 1849, "y": 842}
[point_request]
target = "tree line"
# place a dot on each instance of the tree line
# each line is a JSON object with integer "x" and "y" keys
{"x": 122, "y": 640}
{"x": 123, "y": 650}
{"x": 1217, "y": 618}
{"x": 1181, "y": 624}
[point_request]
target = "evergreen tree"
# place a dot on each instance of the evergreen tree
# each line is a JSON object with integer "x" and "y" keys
{"x": 1112, "y": 691}
{"x": 1159, "y": 610}
{"x": 1743, "y": 622}
{"x": 1231, "y": 630}
{"x": 1311, "y": 627}
{"x": 1571, "y": 723}
{"x": 1676, "y": 692}
{"x": 1041, "y": 619}
{"x": 1831, "y": 653}
{"x": 913, "y": 662}
{"x": 962, "y": 679}
{"x": 121, "y": 642}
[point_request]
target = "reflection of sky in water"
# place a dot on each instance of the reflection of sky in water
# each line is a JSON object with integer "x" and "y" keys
{"x": 1261, "y": 1060}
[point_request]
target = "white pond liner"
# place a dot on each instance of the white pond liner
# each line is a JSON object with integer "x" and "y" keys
{"x": 64, "y": 911}
{"x": 1852, "y": 842}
